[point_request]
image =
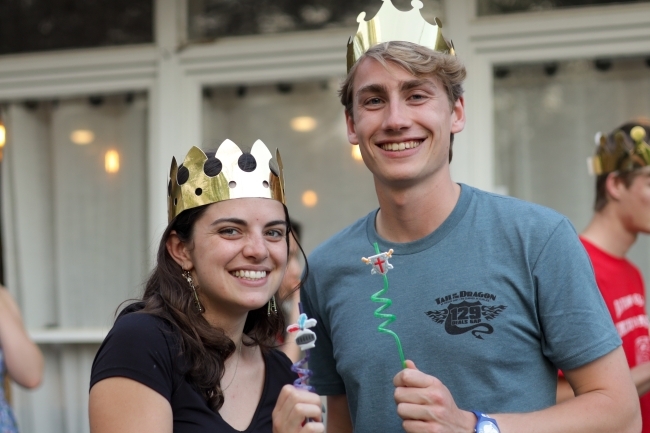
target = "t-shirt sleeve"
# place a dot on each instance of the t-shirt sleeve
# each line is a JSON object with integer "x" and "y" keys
{"x": 577, "y": 328}
{"x": 322, "y": 363}
{"x": 137, "y": 348}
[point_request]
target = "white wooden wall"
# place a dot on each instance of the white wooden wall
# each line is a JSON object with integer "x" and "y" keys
{"x": 173, "y": 75}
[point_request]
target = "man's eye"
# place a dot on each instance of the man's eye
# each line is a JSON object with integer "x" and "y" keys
{"x": 373, "y": 101}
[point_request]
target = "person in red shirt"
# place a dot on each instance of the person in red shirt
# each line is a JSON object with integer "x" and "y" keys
{"x": 622, "y": 211}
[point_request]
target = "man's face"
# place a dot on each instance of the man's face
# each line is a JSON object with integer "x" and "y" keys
{"x": 401, "y": 123}
{"x": 634, "y": 204}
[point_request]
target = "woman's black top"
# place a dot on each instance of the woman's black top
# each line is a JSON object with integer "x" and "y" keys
{"x": 145, "y": 348}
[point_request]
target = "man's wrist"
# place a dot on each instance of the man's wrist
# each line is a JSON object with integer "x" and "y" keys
{"x": 485, "y": 423}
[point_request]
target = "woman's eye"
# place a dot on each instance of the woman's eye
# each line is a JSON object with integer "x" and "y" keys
{"x": 275, "y": 233}
{"x": 228, "y": 231}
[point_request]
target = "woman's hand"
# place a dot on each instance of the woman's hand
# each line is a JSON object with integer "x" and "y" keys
{"x": 23, "y": 358}
{"x": 293, "y": 408}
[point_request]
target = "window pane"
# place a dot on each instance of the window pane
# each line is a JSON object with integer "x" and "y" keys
{"x": 497, "y": 7}
{"x": 43, "y": 25}
{"x": 209, "y": 19}
{"x": 326, "y": 187}
{"x": 546, "y": 117}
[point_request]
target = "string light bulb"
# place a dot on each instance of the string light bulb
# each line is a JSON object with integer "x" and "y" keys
{"x": 309, "y": 198}
{"x": 112, "y": 161}
{"x": 3, "y": 135}
{"x": 356, "y": 153}
{"x": 82, "y": 136}
{"x": 303, "y": 123}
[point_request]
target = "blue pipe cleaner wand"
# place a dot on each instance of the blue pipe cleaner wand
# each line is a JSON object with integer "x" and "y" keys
{"x": 381, "y": 266}
{"x": 305, "y": 339}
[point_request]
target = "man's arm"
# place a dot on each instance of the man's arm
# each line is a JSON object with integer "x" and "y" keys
{"x": 605, "y": 401}
{"x": 641, "y": 378}
{"x": 338, "y": 414}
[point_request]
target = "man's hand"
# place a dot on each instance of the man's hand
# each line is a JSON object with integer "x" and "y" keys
{"x": 425, "y": 404}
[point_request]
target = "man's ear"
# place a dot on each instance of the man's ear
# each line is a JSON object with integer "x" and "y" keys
{"x": 614, "y": 186}
{"x": 458, "y": 116}
{"x": 352, "y": 132}
{"x": 179, "y": 251}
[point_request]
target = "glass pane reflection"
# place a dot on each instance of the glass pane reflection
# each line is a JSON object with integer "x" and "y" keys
{"x": 209, "y": 19}
{"x": 498, "y": 7}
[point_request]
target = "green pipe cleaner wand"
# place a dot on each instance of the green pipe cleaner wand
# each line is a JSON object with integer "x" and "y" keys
{"x": 381, "y": 266}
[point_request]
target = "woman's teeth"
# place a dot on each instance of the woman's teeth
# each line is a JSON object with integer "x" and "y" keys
{"x": 249, "y": 275}
{"x": 396, "y": 147}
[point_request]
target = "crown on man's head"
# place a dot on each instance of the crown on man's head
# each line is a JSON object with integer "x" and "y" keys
{"x": 391, "y": 24}
{"x": 620, "y": 152}
{"x": 205, "y": 178}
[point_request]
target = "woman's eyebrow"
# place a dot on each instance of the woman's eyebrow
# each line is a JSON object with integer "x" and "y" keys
{"x": 242, "y": 222}
{"x": 228, "y": 220}
{"x": 276, "y": 223}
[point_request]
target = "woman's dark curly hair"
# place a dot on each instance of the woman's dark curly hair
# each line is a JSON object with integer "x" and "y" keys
{"x": 205, "y": 348}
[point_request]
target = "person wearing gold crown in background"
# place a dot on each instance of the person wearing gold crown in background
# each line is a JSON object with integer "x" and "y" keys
{"x": 196, "y": 354}
{"x": 491, "y": 294}
{"x": 622, "y": 211}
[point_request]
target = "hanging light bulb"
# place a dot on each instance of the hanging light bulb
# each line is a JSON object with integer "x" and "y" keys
{"x": 309, "y": 198}
{"x": 112, "y": 161}
{"x": 356, "y": 153}
{"x": 3, "y": 135}
{"x": 303, "y": 123}
{"x": 82, "y": 136}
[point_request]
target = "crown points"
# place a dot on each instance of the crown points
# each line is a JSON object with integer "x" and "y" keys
{"x": 226, "y": 174}
{"x": 637, "y": 133}
{"x": 391, "y": 24}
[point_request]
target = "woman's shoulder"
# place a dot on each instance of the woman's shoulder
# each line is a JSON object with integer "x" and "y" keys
{"x": 142, "y": 347}
{"x": 280, "y": 365}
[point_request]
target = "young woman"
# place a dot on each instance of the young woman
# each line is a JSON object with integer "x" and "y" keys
{"x": 20, "y": 358}
{"x": 195, "y": 354}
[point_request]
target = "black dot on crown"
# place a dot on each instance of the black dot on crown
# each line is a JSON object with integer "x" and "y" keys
{"x": 198, "y": 191}
{"x": 265, "y": 184}
{"x": 182, "y": 175}
{"x": 175, "y": 201}
{"x": 232, "y": 184}
{"x": 273, "y": 168}
{"x": 247, "y": 162}
{"x": 212, "y": 166}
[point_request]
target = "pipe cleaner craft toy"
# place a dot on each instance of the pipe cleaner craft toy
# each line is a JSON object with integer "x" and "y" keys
{"x": 381, "y": 266}
{"x": 305, "y": 339}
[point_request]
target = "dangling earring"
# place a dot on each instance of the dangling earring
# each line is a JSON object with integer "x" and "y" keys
{"x": 197, "y": 304}
{"x": 271, "y": 306}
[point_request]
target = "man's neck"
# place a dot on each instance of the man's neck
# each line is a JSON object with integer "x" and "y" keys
{"x": 607, "y": 232}
{"x": 412, "y": 213}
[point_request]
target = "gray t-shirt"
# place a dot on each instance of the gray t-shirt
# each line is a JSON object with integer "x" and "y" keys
{"x": 492, "y": 303}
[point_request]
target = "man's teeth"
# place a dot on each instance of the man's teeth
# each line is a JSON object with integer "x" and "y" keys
{"x": 250, "y": 275}
{"x": 400, "y": 146}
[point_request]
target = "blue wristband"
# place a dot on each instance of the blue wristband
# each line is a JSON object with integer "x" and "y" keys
{"x": 485, "y": 424}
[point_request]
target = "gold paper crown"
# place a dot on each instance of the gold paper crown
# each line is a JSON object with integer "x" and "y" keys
{"x": 391, "y": 24}
{"x": 227, "y": 174}
{"x": 629, "y": 152}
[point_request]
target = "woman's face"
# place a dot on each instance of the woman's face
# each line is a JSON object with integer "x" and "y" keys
{"x": 238, "y": 254}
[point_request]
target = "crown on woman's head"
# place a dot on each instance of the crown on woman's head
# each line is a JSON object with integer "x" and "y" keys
{"x": 205, "y": 178}
{"x": 391, "y": 24}
{"x": 620, "y": 152}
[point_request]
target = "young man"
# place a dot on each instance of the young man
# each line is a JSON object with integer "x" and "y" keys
{"x": 622, "y": 211}
{"x": 491, "y": 294}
